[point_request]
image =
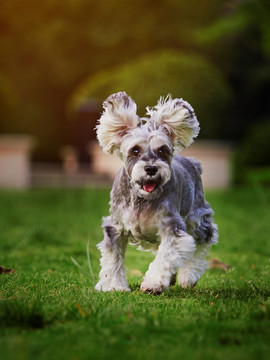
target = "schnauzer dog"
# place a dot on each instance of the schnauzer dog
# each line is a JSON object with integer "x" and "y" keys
{"x": 157, "y": 200}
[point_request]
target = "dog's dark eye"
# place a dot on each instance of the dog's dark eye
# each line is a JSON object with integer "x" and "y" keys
{"x": 135, "y": 152}
{"x": 163, "y": 151}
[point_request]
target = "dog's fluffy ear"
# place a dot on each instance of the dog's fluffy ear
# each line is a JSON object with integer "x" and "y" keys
{"x": 119, "y": 116}
{"x": 177, "y": 118}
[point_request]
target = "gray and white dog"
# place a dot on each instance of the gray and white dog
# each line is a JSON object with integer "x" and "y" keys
{"x": 157, "y": 200}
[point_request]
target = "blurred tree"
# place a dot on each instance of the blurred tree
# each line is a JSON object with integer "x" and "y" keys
{"x": 182, "y": 74}
{"x": 239, "y": 43}
{"x": 8, "y": 101}
{"x": 48, "y": 48}
{"x": 252, "y": 158}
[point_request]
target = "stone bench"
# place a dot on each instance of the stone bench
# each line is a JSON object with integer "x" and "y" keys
{"x": 15, "y": 160}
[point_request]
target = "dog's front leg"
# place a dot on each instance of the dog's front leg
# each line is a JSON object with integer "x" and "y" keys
{"x": 176, "y": 247}
{"x": 112, "y": 274}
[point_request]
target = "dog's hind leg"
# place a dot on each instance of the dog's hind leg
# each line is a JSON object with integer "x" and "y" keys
{"x": 192, "y": 270}
{"x": 201, "y": 226}
{"x": 112, "y": 276}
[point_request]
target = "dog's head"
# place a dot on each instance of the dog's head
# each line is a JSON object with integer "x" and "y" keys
{"x": 146, "y": 145}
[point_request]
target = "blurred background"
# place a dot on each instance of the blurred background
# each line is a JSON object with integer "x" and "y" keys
{"x": 60, "y": 60}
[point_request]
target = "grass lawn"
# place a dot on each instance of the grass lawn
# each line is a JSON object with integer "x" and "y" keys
{"x": 49, "y": 310}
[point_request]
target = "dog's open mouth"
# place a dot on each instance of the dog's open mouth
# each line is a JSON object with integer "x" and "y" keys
{"x": 149, "y": 186}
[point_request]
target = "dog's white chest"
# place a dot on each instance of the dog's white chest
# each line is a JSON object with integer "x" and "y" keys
{"x": 143, "y": 227}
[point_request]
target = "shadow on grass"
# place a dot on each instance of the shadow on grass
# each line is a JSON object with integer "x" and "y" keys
{"x": 248, "y": 291}
{"x": 15, "y": 314}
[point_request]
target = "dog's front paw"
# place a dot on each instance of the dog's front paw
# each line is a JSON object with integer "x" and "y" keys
{"x": 187, "y": 280}
{"x": 103, "y": 286}
{"x": 187, "y": 284}
{"x": 152, "y": 287}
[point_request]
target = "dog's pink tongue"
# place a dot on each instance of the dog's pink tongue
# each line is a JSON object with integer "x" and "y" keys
{"x": 149, "y": 187}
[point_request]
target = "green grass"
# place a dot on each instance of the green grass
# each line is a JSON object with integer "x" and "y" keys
{"x": 49, "y": 310}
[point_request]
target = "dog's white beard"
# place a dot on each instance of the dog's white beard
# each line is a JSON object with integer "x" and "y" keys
{"x": 138, "y": 176}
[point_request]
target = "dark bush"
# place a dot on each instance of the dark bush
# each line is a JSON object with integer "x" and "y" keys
{"x": 252, "y": 159}
{"x": 186, "y": 75}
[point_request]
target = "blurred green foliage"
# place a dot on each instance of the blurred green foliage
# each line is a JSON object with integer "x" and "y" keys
{"x": 215, "y": 54}
{"x": 253, "y": 153}
{"x": 159, "y": 73}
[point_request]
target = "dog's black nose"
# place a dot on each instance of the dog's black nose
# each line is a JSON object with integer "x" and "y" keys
{"x": 150, "y": 170}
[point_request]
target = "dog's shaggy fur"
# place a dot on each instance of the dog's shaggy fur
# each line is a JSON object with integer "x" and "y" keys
{"x": 157, "y": 200}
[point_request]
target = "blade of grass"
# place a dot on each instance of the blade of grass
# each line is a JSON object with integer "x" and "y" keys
{"x": 80, "y": 267}
{"x": 89, "y": 262}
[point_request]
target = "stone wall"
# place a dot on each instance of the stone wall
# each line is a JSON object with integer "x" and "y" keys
{"x": 16, "y": 170}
